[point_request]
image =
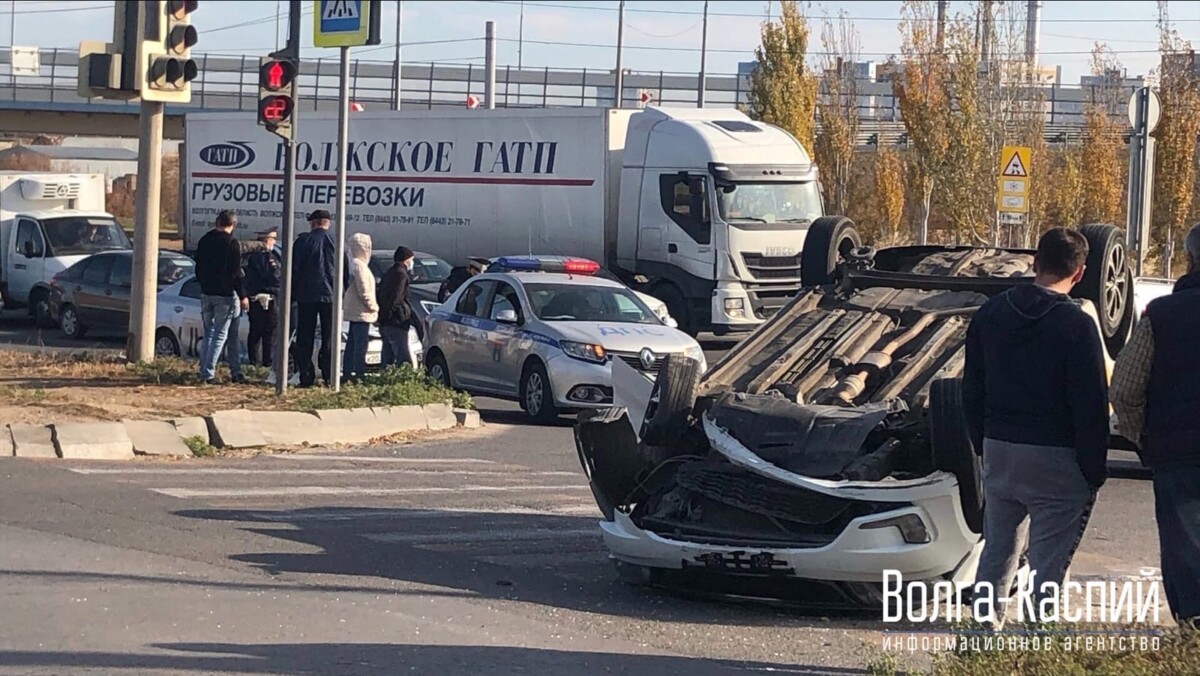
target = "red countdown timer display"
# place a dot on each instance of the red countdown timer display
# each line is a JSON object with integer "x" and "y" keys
{"x": 275, "y": 109}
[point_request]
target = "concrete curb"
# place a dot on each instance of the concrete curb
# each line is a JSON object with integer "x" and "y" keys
{"x": 233, "y": 429}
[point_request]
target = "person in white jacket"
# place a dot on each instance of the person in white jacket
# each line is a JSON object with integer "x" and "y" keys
{"x": 361, "y": 308}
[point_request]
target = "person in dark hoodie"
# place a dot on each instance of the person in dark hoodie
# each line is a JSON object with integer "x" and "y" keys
{"x": 1035, "y": 395}
{"x": 395, "y": 313}
{"x": 314, "y": 268}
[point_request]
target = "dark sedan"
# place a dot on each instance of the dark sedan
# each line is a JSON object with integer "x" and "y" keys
{"x": 94, "y": 293}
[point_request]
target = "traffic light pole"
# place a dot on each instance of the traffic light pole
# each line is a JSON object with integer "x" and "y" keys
{"x": 287, "y": 236}
{"x": 142, "y": 316}
{"x": 335, "y": 355}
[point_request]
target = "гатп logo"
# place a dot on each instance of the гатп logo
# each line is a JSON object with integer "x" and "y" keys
{"x": 228, "y": 155}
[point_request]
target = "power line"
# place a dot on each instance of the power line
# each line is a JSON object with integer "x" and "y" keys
{"x": 681, "y": 12}
{"x": 23, "y": 12}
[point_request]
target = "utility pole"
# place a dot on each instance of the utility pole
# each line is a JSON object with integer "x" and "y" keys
{"x": 489, "y": 66}
{"x": 703, "y": 58}
{"x": 619, "y": 95}
{"x": 287, "y": 234}
{"x": 399, "y": 77}
{"x": 142, "y": 317}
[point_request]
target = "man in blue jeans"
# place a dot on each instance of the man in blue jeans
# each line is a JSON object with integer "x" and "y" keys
{"x": 222, "y": 300}
{"x": 1156, "y": 396}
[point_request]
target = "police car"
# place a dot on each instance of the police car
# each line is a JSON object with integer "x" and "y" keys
{"x": 543, "y": 331}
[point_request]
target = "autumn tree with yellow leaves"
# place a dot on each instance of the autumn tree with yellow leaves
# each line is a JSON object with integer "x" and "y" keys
{"x": 1103, "y": 185}
{"x": 783, "y": 89}
{"x": 1175, "y": 165}
{"x": 837, "y": 107}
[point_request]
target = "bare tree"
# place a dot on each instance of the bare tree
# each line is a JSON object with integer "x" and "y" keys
{"x": 837, "y": 106}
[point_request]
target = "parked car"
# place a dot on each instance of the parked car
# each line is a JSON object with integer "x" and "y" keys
{"x": 94, "y": 293}
{"x": 831, "y": 444}
{"x": 546, "y": 332}
{"x": 180, "y": 331}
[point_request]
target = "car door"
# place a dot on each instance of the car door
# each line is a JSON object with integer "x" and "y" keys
{"x": 185, "y": 318}
{"x": 467, "y": 347}
{"x": 689, "y": 238}
{"x": 90, "y": 301}
{"x": 117, "y": 295}
{"x": 501, "y": 368}
{"x": 27, "y": 264}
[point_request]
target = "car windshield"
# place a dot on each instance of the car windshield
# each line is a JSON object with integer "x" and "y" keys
{"x": 581, "y": 303}
{"x": 426, "y": 269}
{"x": 74, "y": 235}
{"x": 769, "y": 202}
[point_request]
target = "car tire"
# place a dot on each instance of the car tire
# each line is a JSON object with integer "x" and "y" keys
{"x": 677, "y": 307}
{"x": 953, "y": 450}
{"x": 829, "y": 240}
{"x": 437, "y": 370}
{"x": 537, "y": 396}
{"x": 69, "y": 324}
{"x": 672, "y": 400}
{"x": 1108, "y": 283}
{"x": 166, "y": 344}
{"x": 39, "y": 308}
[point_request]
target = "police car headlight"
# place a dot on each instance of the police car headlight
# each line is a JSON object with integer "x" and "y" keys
{"x": 584, "y": 351}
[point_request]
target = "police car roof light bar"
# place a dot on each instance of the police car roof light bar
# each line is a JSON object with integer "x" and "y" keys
{"x": 581, "y": 266}
{"x": 575, "y": 266}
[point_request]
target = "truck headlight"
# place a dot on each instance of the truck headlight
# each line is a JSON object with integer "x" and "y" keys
{"x": 735, "y": 308}
{"x": 584, "y": 351}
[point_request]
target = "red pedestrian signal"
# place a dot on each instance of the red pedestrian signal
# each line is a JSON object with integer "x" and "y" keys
{"x": 276, "y": 75}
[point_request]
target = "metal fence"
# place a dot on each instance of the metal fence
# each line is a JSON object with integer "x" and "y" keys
{"x": 231, "y": 83}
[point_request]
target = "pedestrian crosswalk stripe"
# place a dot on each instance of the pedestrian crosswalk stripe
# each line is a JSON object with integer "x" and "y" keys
{"x": 239, "y": 471}
{"x": 400, "y": 513}
{"x": 503, "y": 534}
{"x": 295, "y": 491}
{"x": 371, "y": 458}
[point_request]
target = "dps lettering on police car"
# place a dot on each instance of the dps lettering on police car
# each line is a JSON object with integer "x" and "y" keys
{"x": 544, "y": 332}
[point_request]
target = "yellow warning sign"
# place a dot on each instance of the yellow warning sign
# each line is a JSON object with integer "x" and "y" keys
{"x": 1012, "y": 189}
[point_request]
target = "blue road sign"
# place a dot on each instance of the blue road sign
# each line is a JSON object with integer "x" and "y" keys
{"x": 340, "y": 23}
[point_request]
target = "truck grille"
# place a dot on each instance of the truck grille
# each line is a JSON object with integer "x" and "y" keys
{"x": 772, "y": 267}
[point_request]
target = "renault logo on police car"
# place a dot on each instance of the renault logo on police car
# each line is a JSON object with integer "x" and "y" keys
{"x": 647, "y": 357}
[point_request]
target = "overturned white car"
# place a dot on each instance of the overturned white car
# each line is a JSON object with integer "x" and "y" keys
{"x": 830, "y": 445}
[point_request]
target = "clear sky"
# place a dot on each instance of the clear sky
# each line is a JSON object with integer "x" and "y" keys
{"x": 658, "y": 35}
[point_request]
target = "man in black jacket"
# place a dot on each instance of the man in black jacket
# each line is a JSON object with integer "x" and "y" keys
{"x": 314, "y": 261}
{"x": 263, "y": 274}
{"x": 395, "y": 313}
{"x": 1035, "y": 394}
{"x": 222, "y": 300}
{"x": 1156, "y": 395}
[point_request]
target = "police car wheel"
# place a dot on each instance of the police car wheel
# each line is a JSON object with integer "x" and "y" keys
{"x": 435, "y": 366}
{"x": 537, "y": 398}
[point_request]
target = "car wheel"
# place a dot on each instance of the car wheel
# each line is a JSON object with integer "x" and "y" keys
{"x": 672, "y": 400}
{"x": 435, "y": 366}
{"x": 537, "y": 397}
{"x": 1108, "y": 283}
{"x": 953, "y": 451}
{"x": 677, "y": 307}
{"x": 68, "y": 322}
{"x": 165, "y": 344}
{"x": 39, "y": 307}
{"x": 828, "y": 241}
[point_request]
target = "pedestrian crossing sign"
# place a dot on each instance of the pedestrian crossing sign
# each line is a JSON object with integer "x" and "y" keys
{"x": 341, "y": 23}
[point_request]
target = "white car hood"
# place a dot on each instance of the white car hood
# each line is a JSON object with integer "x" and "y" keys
{"x": 624, "y": 337}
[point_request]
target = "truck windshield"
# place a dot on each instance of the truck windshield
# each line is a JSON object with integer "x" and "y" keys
{"x": 769, "y": 202}
{"x": 579, "y": 303}
{"x": 74, "y": 235}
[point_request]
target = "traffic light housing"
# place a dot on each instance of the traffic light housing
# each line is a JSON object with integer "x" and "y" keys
{"x": 165, "y": 64}
{"x": 277, "y": 94}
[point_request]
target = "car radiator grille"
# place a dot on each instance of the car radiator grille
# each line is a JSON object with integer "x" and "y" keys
{"x": 739, "y": 488}
{"x": 636, "y": 362}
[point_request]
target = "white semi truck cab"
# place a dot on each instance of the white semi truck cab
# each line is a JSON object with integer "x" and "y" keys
{"x": 49, "y": 222}
{"x": 713, "y": 212}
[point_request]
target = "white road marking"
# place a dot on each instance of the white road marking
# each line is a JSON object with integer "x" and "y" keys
{"x": 292, "y": 491}
{"x": 368, "y": 458}
{"x": 238, "y": 471}
{"x": 335, "y": 514}
{"x": 484, "y": 535}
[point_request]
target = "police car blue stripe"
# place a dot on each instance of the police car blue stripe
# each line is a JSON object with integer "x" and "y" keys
{"x": 489, "y": 325}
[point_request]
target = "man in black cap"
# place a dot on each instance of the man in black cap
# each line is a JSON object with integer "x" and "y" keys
{"x": 314, "y": 268}
{"x": 395, "y": 314}
{"x": 263, "y": 273}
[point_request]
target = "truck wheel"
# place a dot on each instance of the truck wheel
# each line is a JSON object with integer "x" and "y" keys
{"x": 953, "y": 451}
{"x": 1107, "y": 282}
{"x": 39, "y": 308}
{"x": 677, "y": 307}
{"x": 537, "y": 397}
{"x": 829, "y": 240}
{"x": 671, "y": 401}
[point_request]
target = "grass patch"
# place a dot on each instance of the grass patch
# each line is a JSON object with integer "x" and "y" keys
{"x": 199, "y": 446}
{"x": 394, "y": 386}
{"x": 166, "y": 371}
{"x": 1177, "y": 652}
{"x": 23, "y": 396}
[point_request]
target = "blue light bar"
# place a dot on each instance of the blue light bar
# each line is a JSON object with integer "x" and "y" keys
{"x": 574, "y": 266}
{"x": 528, "y": 264}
